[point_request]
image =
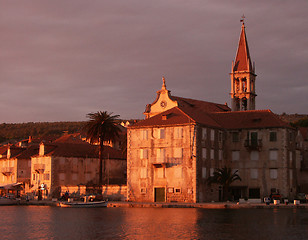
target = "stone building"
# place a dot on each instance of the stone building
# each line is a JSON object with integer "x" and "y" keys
{"x": 171, "y": 153}
{"x": 70, "y": 163}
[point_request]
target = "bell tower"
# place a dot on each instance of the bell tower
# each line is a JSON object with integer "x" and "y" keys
{"x": 243, "y": 77}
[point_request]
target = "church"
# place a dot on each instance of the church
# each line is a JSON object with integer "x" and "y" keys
{"x": 181, "y": 141}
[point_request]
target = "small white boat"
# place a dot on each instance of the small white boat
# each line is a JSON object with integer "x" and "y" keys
{"x": 98, "y": 204}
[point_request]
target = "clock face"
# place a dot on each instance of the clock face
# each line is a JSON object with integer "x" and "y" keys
{"x": 163, "y": 104}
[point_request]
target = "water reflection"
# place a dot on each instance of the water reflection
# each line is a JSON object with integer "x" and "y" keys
{"x": 18, "y": 222}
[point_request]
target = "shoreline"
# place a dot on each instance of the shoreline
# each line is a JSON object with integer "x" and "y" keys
{"x": 215, "y": 205}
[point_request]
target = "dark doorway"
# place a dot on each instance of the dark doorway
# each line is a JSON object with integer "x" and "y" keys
{"x": 254, "y": 192}
{"x": 159, "y": 194}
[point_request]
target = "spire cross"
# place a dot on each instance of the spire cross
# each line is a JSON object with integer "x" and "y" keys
{"x": 242, "y": 19}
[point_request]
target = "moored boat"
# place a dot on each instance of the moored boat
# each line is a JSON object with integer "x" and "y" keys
{"x": 84, "y": 204}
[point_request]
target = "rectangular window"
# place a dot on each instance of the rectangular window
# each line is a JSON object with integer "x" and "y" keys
{"x": 33, "y": 176}
{"x": 273, "y": 136}
{"x": 254, "y": 173}
{"x": 235, "y": 137}
{"x": 160, "y": 172}
{"x": 220, "y": 134}
{"x": 178, "y": 132}
{"x": 178, "y": 153}
{"x": 143, "y": 153}
{"x": 161, "y": 133}
{"x": 220, "y": 154}
{"x": 273, "y": 154}
{"x": 46, "y": 176}
{"x": 235, "y": 155}
{"x": 143, "y": 190}
{"x": 204, "y": 133}
{"x": 290, "y": 156}
{"x": 178, "y": 172}
{"x": 143, "y": 173}
{"x": 273, "y": 173}
{"x": 144, "y": 134}
{"x": 212, "y": 134}
{"x": 61, "y": 176}
{"x": 212, "y": 172}
{"x": 254, "y": 155}
{"x": 204, "y": 153}
{"x": 74, "y": 176}
{"x": 203, "y": 172}
{"x": 212, "y": 153}
{"x": 161, "y": 152}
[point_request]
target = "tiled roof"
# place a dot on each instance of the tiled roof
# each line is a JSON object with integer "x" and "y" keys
{"x": 226, "y": 120}
{"x": 248, "y": 119}
{"x": 84, "y": 150}
{"x": 201, "y": 105}
{"x": 28, "y": 152}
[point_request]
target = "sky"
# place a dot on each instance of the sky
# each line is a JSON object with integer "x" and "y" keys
{"x": 63, "y": 59}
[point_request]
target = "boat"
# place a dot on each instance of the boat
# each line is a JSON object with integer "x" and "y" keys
{"x": 98, "y": 204}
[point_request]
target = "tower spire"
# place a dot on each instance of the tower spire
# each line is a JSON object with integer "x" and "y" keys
{"x": 242, "y": 76}
{"x": 164, "y": 83}
{"x": 242, "y": 60}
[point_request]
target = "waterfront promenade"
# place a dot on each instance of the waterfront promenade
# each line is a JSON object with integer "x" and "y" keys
{"x": 211, "y": 205}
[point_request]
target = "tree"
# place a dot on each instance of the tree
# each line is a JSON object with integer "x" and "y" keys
{"x": 102, "y": 126}
{"x": 224, "y": 177}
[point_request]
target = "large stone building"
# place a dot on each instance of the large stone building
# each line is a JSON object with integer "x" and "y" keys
{"x": 182, "y": 141}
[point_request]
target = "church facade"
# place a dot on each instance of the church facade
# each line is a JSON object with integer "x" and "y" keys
{"x": 181, "y": 142}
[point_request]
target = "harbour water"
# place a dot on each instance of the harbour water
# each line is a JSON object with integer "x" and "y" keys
{"x": 45, "y": 222}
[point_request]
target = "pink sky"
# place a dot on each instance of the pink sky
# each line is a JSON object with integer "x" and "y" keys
{"x": 60, "y": 60}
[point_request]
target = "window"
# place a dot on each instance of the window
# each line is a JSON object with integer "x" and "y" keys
{"x": 273, "y": 173}
{"x": 254, "y": 173}
{"x": 178, "y": 132}
{"x": 254, "y": 155}
{"x": 178, "y": 172}
{"x": 220, "y": 154}
{"x": 160, "y": 172}
{"x": 235, "y": 155}
{"x": 178, "y": 152}
{"x": 220, "y": 136}
{"x": 46, "y": 176}
{"x": 74, "y": 176}
{"x": 161, "y": 133}
{"x": 212, "y": 153}
{"x": 143, "y": 173}
{"x": 212, "y": 172}
{"x": 177, "y": 190}
{"x": 33, "y": 176}
{"x": 204, "y": 131}
{"x": 204, "y": 153}
{"x": 143, "y": 153}
{"x": 143, "y": 190}
{"x": 235, "y": 137}
{"x": 290, "y": 156}
{"x": 161, "y": 154}
{"x": 273, "y": 136}
{"x": 273, "y": 154}
{"x": 212, "y": 134}
{"x": 61, "y": 176}
{"x": 144, "y": 134}
{"x": 203, "y": 172}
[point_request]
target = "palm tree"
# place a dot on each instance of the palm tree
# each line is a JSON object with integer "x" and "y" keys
{"x": 102, "y": 126}
{"x": 224, "y": 177}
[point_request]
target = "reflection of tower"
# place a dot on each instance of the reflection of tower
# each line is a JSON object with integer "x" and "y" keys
{"x": 243, "y": 77}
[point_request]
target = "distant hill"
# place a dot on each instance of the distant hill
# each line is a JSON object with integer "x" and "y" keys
{"x": 296, "y": 120}
{"x": 19, "y": 131}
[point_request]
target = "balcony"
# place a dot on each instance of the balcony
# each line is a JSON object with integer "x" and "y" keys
{"x": 167, "y": 162}
{"x": 253, "y": 144}
{"x": 7, "y": 171}
{"x": 39, "y": 168}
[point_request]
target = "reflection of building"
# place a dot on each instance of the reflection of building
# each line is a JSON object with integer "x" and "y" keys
{"x": 177, "y": 147}
{"x": 69, "y": 162}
